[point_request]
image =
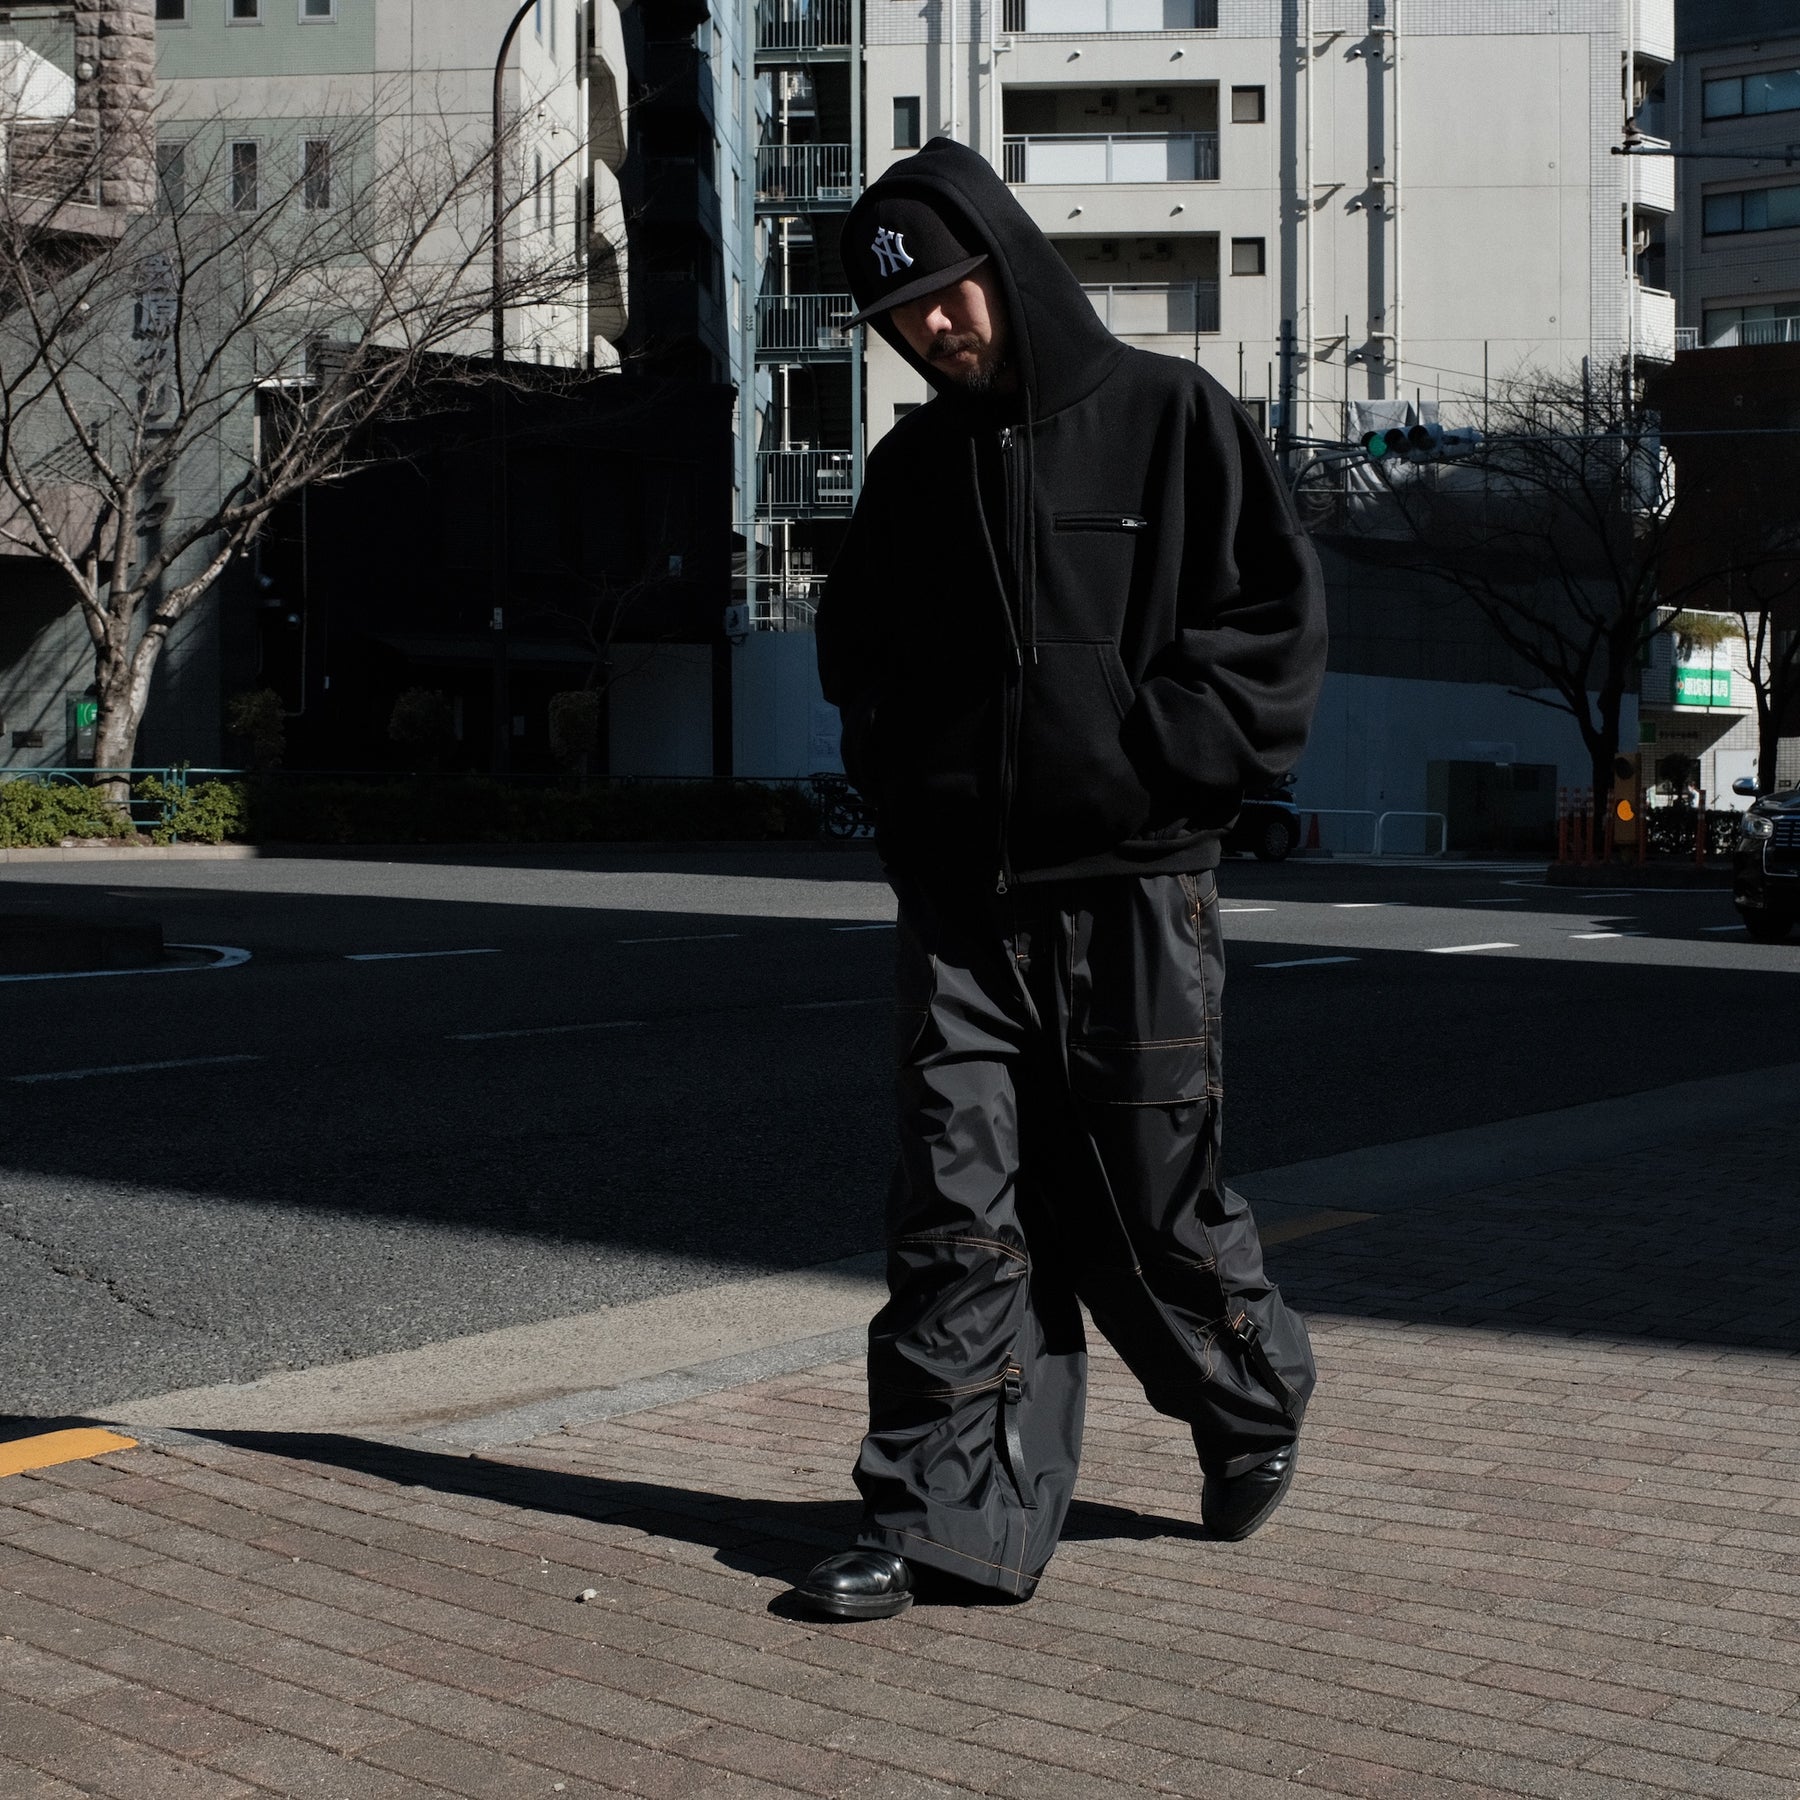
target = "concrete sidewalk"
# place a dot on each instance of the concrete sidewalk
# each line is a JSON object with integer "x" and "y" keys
{"x": 1545, "y": 1541}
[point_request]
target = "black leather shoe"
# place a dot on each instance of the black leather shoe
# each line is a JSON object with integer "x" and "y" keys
{"x": 1233, "y": 1506}
{"x": 858, "y": 1584}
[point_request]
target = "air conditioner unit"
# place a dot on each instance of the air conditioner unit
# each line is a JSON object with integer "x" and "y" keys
{"x": 1107, "y": 102}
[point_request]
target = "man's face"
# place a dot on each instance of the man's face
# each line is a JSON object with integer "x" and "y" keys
{"x": 961, "y": 332}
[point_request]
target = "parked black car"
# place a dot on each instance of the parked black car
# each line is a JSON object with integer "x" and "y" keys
{"x": 1268, "y": 827}
{"x": 1765, "y": 879}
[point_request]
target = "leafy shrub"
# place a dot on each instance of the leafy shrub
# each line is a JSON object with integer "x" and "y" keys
{"x": 260, "y": 719}
{"x": 209, "y": 812}
{"x": 44, "y": 813}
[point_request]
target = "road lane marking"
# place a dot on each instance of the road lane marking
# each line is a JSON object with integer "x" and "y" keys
{"x": 703, "y": 937}
{"x": 49, "y": 1448}
{"x": 1498, "y": 900}
{"x": 1362, "y": 905}
{"x": 1309, "y": 962}
{"x": 1724, "y": 927}
{"x": 888, "y": 926}
{"x": 184, "y": 1062}
{"x": 1590, "y": 936}
{"x": 412, "y": 955}
{"x": 225, "y": 957}
{"x": 1612, "y": 894}
{"x": 487, "y": 1037}
{"x": 827, "y": 1005}
{"x": 1238, "y": 909}
{"x": 1464, "y": 949}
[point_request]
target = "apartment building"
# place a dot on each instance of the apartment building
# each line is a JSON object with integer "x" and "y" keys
{"x": 1324, "y": 203}
{"x": 1733, "y": 105}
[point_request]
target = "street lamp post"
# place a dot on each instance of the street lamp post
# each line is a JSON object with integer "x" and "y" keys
{"x": 498, "y": 533}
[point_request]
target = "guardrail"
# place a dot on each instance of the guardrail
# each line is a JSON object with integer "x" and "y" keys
{"x": 799, "y": 483}
{"x": 1376, "y": 832}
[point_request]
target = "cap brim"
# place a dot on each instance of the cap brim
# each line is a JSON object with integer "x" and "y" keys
{"x": 912, "y": 290}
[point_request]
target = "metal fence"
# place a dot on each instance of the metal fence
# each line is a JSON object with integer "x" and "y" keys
{"x": 803, "y": 24}
{"x": 1080, "y": 17}
{"x": 804, "y": 323}
{"x": 146, "y": 813}
{"x": 798, "y": 483}
{"x": 1353, "y": 831}
{"x": 1089, "y": 158}
{"x": 803, "y": 172}
{"x": 787, "y": 603}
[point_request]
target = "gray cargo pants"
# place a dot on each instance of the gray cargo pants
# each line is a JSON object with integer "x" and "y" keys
{"x": 1059, "y": 1090}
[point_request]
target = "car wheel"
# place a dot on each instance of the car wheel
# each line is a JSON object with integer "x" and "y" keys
{"x": 1767, "y": 927}
{"x": 1275, "y": 840}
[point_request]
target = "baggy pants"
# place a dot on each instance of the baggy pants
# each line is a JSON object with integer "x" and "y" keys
{"x": 1059, "y": 1092}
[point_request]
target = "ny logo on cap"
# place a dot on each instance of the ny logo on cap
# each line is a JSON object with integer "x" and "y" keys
{"x": 890, "y": 252}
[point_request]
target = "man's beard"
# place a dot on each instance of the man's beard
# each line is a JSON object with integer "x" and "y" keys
{"x": 978, "y": 380}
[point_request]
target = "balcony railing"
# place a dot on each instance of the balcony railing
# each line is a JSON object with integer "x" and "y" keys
{"x": 803, "y": 24}
{"x": 803, "y": 175}
{"x": 1653, "y": 324}
{"x": 803, "y": 324}
{"x": 1080, "y": 18}
{"x": 796, "y": 484}
{"x": 1157, "y": 308}
{"x": 1746, "y": 331}
{"x": 786, "y": 602}
{"x": 1082, "y": 159}
{"x": 43, "y": 154}
{"x": 1653, "y": 179}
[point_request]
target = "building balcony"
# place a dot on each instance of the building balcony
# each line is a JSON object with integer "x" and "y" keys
{"x": 1145, "y": 309}
{"x": 1652, "y": 179}
{"x": 800, "y": 327}
{"x": 679, "y": 191}
{"x": 804, "y": 484}
{"x": 1653, "y": 29}
{"x": 1653, "y": 324}
{"x": 800, "y": 30}
{"x": 1090, "y": 159}
{"x": 1085, "y": 18}
{"x": 791, "y": 177}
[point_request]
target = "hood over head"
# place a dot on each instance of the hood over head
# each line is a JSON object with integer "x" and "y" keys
{"x": 1059, "y": 345}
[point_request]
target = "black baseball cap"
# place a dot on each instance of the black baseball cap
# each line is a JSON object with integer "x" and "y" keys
{"x": 899, "y": 247}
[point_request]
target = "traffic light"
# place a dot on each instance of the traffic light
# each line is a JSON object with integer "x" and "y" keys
{"x": 1421, "y": 442}
{"x": 1624, "y": 801}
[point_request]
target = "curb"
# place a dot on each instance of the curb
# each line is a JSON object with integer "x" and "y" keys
{"x": 1714, "y": 876}
{"x": 120, "y": 852}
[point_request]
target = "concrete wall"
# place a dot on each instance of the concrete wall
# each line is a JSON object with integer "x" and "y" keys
{"x": 659, "y": 710}
{"x": 1373, "y": 736}
{"x": 781, "y": 723}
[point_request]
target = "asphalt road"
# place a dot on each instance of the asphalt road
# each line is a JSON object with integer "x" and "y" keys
{"x": 475, "y": 1089}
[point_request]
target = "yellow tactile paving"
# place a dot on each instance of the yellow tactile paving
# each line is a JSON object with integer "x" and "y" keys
{"x": 52, "y": 1447}
{"x": 1310, "y": 1223}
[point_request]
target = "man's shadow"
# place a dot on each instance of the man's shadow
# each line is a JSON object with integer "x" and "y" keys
{"x": 752, "y": 1536}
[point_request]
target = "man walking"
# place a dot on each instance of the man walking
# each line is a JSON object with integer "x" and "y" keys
{"x": 1072, "y": 620}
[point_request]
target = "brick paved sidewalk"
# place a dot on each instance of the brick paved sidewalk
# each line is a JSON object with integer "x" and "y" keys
{"x": 1545, "y": 1541}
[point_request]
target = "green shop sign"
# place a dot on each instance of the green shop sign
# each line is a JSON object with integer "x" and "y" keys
{"x": 1702, "y": 687}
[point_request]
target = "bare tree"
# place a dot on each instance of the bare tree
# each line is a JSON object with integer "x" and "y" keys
{"x": 1562, "y": 523}
{"x": 159, "y": 400}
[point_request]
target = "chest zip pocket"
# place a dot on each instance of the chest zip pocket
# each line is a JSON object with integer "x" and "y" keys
{"x": 1101, "y": 521}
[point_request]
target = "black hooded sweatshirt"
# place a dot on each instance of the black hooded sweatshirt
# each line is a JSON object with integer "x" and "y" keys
{"x": 1082, "y": 676}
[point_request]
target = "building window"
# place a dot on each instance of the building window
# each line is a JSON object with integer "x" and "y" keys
{"x": 245, "y": 155}
{"x": 1755, "y": 209}
{"x": 1747, "y": 96}
{"x": 1770, "y": 322}
{"x": 318, "y": 12}
{"x": 1246, "y": 106}
{"x": 906, "y": 121}
{"x": 1247, "y": 256}
{"x": 245, "y": 12}
{"x": 171, "y": 177}
{"x": 315, "y": 174}
{"x": 171, "y": 12}
{"x": 1258, "y": 411}
{"x": 537, "y": 20}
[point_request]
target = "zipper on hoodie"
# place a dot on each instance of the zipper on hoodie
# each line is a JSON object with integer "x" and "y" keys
{"x": 1010, "y": 718}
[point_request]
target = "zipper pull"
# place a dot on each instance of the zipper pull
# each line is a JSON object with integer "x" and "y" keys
{"x": 1005, "y": 437}
{"x": 1000, "y": 883}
